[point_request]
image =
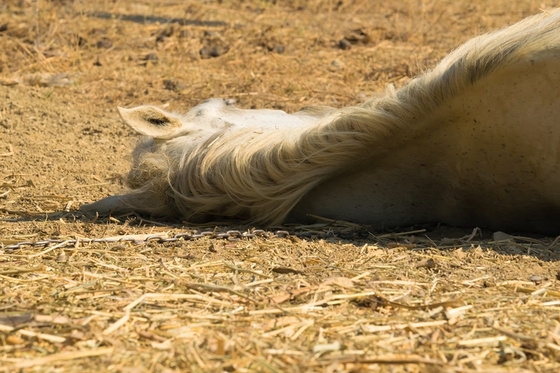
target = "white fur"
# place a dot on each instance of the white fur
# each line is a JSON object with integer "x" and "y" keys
{"x": 475, "y": 141}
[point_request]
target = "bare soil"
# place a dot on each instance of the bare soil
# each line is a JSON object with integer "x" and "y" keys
{"x": 327, "y": 298}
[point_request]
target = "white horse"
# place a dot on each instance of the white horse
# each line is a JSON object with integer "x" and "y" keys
{"x": 473, "y": 142}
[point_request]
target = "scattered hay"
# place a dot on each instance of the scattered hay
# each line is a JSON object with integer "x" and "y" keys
{"x": 215, "y": 305}
{"x": 328, "y": 297}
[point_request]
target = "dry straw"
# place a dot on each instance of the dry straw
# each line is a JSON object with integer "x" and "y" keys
{"x": 333, "y": 298}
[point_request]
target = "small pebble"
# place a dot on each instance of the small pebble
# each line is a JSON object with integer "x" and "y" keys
{"x": 151, "y": 57}
{"x": 335, "y": 65}
{"x": 104, "y": 43}
{"x": 212, "y": 51}
{"x": 535, "y": 279}
{"x": 501, "y": 236}
{"x": 344, "y": 44}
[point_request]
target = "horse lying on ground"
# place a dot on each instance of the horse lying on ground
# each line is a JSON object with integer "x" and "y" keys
{"x": 474, "y": 142}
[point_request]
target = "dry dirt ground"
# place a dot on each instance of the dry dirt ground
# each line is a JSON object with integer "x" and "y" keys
{"x": 327, "y": 298}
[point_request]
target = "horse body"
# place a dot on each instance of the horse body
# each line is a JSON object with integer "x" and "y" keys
{"x": 474, "y": 142}
{"x": 489, "y": 157}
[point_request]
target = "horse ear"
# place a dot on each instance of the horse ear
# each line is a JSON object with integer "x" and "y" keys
{"x": 151, "y": 121}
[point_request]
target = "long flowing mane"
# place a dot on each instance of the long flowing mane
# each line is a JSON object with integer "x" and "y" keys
{"x": 262, "y": 176}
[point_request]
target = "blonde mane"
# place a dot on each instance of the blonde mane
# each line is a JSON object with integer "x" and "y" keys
{"x": 261, "y": 177}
